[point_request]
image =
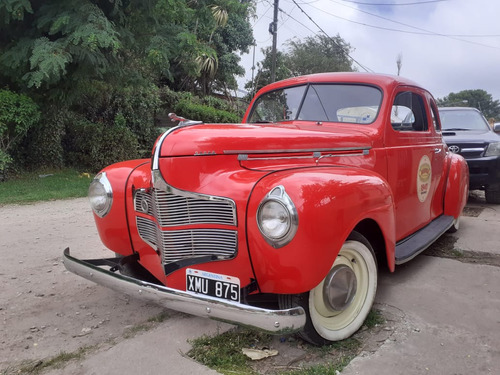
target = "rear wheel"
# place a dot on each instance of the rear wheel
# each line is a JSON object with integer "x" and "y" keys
{"x": 339, "y": 305}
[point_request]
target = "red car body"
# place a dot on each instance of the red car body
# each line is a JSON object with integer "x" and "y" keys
{"x": 197, "y": 206}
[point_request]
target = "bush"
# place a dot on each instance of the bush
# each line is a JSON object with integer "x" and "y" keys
{"x": 95, "y": 145}
{"x": 43, "y": 148}
{"x": 18, "y": 113}
{"x": 133, "y": 106}
{"x": 204, "y": 113}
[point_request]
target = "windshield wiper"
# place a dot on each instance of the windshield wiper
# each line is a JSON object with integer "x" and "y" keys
{"x": 452, "y": 129}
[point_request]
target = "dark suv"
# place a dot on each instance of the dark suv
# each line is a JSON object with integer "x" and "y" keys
{"x": 466, "y": 132}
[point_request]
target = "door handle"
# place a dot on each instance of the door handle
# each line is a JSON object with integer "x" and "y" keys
{"x": 437, "y": 150}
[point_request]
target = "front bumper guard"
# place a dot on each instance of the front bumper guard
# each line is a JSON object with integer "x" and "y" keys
{"x": 272, "y": 321}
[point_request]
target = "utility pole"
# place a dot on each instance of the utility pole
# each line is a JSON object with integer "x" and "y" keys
{"x": 273, "y": 29}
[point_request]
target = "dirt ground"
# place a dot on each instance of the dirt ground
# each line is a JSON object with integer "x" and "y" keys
{"x": 45, "y": 310}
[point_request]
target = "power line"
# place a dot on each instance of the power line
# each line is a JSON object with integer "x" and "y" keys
{"x": 324, "y": 32}
{"x": 395, "y": 4}
{"x": 406, "y": 31}
{"x": 410, "y": 26}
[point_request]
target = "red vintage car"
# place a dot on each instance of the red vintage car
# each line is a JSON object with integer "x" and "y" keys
{"x": 280, "y": 223}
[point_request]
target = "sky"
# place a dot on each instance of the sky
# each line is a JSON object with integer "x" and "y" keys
{"x": 445, "y": 45}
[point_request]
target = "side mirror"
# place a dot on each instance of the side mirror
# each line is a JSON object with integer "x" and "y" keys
{"x": 496, "y": 127}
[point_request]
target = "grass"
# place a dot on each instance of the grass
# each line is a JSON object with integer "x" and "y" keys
{"x": 223, "y": 352}
{"x": 34, "y": 187}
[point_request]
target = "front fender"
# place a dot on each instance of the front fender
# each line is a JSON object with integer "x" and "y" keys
{"x": 457, "y": 186}
{"x": 330, "y": 202}
{"x": 113, "y": 228}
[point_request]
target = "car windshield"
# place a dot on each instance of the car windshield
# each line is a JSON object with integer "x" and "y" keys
{"x": 350, "y": 103}
{"x": 466, "y": 119}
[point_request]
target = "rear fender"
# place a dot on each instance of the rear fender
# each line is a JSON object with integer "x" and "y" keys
{"x": 457, "y": 186}
{"x": 330, "y": 202}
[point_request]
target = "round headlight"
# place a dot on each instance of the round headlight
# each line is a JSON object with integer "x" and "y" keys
{"x": 274, "y": 219}
{"x": 100, "y": 195}
{"x": 277, "y": 217}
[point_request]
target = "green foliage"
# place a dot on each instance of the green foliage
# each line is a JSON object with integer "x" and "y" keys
{"x": 95, "y": 145}
{"x": 18, "y": 113}
{"x": 194, "y": 111}
{"x": 313, "y": 55}
{"x": 5, "y": 160}
{"x": 133, "y": 106}
{"x": 263, "y": 76}
{"x": 479, "y": 99}
{"x": 106, "y": 62}
{"x": 223, "y": 353}
{"x": 47, "y": 62}
{"x": 43, "y": 148}
{"x": 319, "y": 54}
{"x": 14, "y": 10}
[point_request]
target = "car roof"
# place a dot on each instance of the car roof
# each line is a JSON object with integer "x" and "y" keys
{"x": 382, "y": 80}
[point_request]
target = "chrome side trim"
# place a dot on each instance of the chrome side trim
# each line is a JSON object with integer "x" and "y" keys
{"x": 289, "y": 151}
{"x": 272, "y": 321}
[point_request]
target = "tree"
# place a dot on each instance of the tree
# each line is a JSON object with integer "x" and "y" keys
{"x": 314, "y": 55}
{"x": 263, "y": 76}
{"x": 46, "y": 44}
{"x": 479, "y": 99}
{"x": 104, "y": 61}
{"x": 319, "y": 54}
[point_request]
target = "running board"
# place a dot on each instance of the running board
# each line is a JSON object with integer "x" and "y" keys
{"x": 411, "y": 246}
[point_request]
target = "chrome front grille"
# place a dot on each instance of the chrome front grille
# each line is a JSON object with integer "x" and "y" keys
{"x": 174, "y": 210}
{"x": 183, "y": 244}
{"x": 171, "y": 208}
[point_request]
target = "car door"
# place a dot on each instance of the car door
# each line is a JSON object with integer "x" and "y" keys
{"x": 413, "y": 158}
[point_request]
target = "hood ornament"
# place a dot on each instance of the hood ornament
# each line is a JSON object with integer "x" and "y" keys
{"x": 182, "y": 121}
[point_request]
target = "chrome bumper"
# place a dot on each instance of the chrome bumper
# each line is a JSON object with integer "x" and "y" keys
{"x": 272, "y": 321}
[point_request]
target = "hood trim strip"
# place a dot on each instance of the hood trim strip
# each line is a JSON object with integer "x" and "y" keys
{"x": 289, "y": 151}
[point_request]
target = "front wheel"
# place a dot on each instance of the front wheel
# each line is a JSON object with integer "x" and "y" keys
{"x": 492, "y": 194}
{"x": 339, "y": 305}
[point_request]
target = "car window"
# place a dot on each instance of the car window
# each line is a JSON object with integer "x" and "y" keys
{"x": 349, "y": 103}
{"x": 462, "y": 119}
{"x": 408, "y": 112}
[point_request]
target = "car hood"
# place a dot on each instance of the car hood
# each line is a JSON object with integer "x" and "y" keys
{"x": 470, "y": 136}
{"x": 220, "y": 139}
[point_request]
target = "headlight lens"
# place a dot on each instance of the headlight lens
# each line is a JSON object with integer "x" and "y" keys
{"x": 100, "y": 195}
{"x": 493, "y": 149}
{"x": 274, "y": 219}
{"x": 277, "y": 217}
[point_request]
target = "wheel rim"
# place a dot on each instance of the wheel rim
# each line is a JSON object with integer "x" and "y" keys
{"x": 341, "y": 318}
{"x": 339, "y": 288}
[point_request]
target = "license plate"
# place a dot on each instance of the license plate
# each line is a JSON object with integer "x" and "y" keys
{"x": 213, "y": 284}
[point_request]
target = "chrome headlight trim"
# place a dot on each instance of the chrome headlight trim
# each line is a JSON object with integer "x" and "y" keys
{"x": 277, "y": 217}
{"x": 100, "y": 195}
{"x": 493, "y": 149}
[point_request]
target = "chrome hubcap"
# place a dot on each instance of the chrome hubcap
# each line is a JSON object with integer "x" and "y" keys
{"x": 339, "y": 288}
